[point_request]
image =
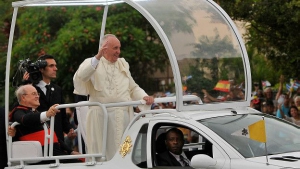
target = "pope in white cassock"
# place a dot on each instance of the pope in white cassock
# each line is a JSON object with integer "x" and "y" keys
{"x": 107, "y": 79}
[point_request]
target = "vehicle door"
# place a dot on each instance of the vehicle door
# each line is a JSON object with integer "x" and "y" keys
{"x": 197, "y": 141}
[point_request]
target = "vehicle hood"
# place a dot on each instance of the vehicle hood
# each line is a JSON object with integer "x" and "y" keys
{"x": 282, "y": 160}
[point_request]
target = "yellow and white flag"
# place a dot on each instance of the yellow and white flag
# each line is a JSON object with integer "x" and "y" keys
{"x": 255, "y": 131}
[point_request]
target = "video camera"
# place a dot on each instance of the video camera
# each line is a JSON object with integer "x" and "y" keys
{"x": 33, "y": 68}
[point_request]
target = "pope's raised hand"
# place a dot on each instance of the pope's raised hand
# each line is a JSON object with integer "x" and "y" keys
{"x": 101, "y": 50}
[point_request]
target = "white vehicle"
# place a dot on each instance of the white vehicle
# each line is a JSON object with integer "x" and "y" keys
{"x": 211, "y": 127}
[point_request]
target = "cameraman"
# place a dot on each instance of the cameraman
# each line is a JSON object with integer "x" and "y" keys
{"x": 51, "y": 94}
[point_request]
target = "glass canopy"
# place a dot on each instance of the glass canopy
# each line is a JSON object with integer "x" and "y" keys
{"x": 208, "y": 56}
{"x": 204, "y": 47}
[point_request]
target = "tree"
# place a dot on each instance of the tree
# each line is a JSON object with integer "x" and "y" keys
{"x": 272, "y": 30}
{"x": 219, "y": 61}
{"x": 71, "y": 34}
{"x": 5, "y": 18}
{"x": 261, "y": 67}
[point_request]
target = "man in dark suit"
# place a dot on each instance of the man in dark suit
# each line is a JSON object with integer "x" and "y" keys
{"x": 51, "y": 94}
{"x": 173, "y": 156}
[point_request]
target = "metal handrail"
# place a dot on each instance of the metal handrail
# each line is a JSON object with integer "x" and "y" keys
{"x": 103, "y": 107}
{"x": 10, "y": 144}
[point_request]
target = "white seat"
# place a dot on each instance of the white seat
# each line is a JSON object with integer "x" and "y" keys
{"x": 81, "y": 113}
{"x": 27, "y": 149}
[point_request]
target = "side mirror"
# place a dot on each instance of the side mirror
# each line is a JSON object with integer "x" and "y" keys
{"x": 201, "y": 161}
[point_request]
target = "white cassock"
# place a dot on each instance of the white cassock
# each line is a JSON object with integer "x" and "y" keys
{"x": 108, "y": 83}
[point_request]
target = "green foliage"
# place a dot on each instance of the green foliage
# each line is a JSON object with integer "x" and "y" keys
{"x": 261, "y": 67}
{"x": 5, "y": 18}
{"x": 273, "y": 30}
{"x": 71, "y": 34}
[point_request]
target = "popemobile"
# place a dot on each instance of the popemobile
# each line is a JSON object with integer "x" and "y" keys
{"x": 221, "y": 131}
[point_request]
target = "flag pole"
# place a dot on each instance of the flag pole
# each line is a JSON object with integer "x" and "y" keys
{"x": 266, "y": 151}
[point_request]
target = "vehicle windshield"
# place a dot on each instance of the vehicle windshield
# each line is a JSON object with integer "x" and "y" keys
{"x": 282, "y": 136}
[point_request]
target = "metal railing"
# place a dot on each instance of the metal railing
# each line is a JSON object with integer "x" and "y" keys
{"x": 102, "y": 155}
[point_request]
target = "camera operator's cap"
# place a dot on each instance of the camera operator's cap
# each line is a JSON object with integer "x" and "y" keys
{"x": 256, "y": 83}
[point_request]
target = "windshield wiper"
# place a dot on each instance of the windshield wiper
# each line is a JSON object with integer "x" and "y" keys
{"x": 292, "y": 157}
{"x": 283, "y": 159}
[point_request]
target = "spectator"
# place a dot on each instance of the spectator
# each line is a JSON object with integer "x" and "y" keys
{"x": 69, "y": 140}
{"x": 268, "y": 108}
{"x": 171, "y": 105}
{"x": 210, "y": 98}
{"x": 234, "y": 94}
{"x": 260, "y": 95}
{"x": 283, "y": 109}
{"x": 256, "y": 88}
{"x": 173, "y": 156}
{"x": 31, "y": 121}
{"x": 155, "y": 106}
{"x": 297, "y": 93}
{"x": 255, "y": 103}
{"x": 268, "y": 94}
{"x": 206, "y": 99}
{"x": 297, "y": 102}
{"x": 279, "y": 99}
{"x": 163, "y": 105}
{"x": 106, "y": 78}
{"x": 295, "y": 117}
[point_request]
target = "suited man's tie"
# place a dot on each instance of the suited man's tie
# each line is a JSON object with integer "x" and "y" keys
{"x": 183, "y": 161}
{"x": 48, "y": 92}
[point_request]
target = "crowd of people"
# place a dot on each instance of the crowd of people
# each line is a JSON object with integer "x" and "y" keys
{"x": 285, "y": 105}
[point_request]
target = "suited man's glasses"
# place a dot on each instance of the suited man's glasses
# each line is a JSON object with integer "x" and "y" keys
{"x": 33, "y": 94}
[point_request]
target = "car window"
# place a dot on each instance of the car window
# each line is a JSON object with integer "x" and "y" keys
{"x": 139, "y": 152}
{"x": 281, "y": 136}
{"x": 194, "y": 143}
